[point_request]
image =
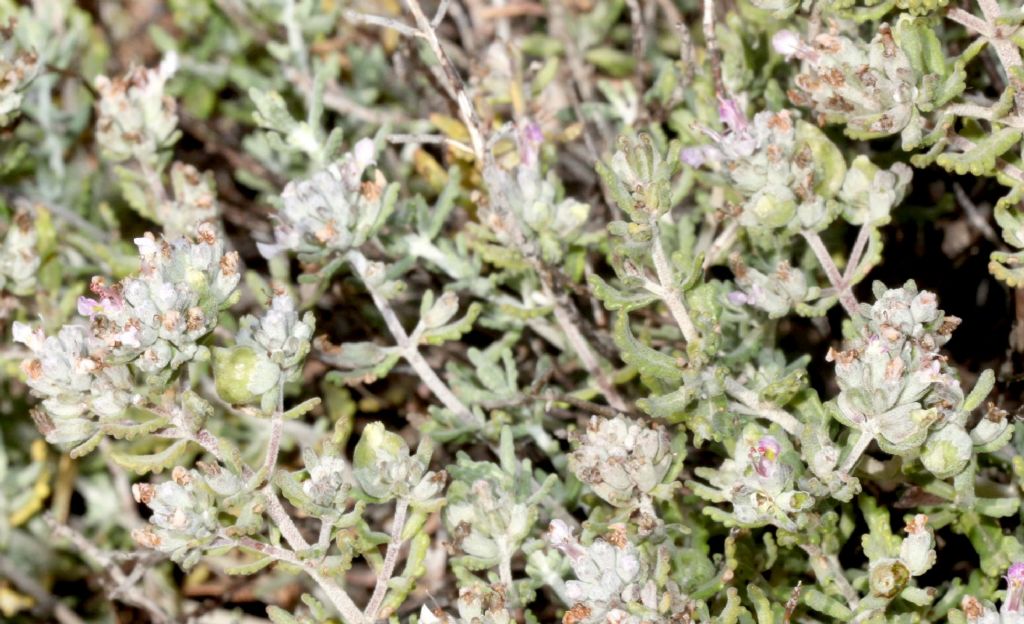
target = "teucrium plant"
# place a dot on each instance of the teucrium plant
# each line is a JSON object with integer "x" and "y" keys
{"x": 523, "y": 313}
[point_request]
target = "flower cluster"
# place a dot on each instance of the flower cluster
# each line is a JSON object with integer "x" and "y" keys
{"x": 759, "y": 482}
{"x": 75, "y": 385}
{"x": 136, "y": 118}
{"x": 334, "y": 210}
{"x": 611, "y": 576}
{"x": 155, "y": 319}
{"x": 19, "y": 256}
{"x": 621, "y": 459}
{"x": 269, "y": 351}
{"x": 897, "y": 386}
{"x": 384, "y": 468}
{"x": 184, "y": 516}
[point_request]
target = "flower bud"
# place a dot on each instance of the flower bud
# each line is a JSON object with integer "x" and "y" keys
{"x": 242, "y": 375}
{"x": 888, "y": 578}
{"x": 378, "y": 460}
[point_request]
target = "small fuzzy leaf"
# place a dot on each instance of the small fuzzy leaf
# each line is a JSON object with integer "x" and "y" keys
{"x": 155, "y": 462}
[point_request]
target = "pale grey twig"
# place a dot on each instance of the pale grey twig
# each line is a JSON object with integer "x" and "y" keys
{"x": 45, "y": 601}
{"x": 390, "y": 560}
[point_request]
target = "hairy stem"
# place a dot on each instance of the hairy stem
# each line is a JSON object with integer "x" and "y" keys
{"x": 350, "y": 613}
{"x": 846, "y": 298}
{"x": 45, "y": 601}
{"x": 828, "y": 566}
{"x": 505, "y": 574}
{"x": 863, "y": 236}
{"x": 466, "y": 111}
{"x": 125, "y": 589}
{"x": 865, "y": 438}
{"x": 750, "y": 400}
{"x": 411, "y": 351}
{"x": 670, "y": 292}
{"x": 582, "y": 348}
{"x": 711, "y": 42}
{"x": 390, "y": 560}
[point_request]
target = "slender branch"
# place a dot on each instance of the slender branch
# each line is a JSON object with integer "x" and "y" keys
{"x": 380, "y": 590}
{"x": 750, "y": 400}
{"x": 335, "y": 99}
{"x": 639, "y": 36}
{"x": 45, "y": 601}
{"x": 366, "y": 19}
{"x": 274, "y": 442}
{"x": 505, "y": 574}
{"x": 863, "y": 236}
{"x": 466, "y": 111}
{"x": 669, "y": 291}
{"x": 1006, "y": 50}
{"x": 865, "y": 438}
{"x": 124, "y": 589}
{"x": 429, "y": 138}
{"x": 721, "y": 243}
{"x": 846, "y": 297}
{"x": 833, "y": 571}
{"x": 442, "y": 11}
{"x": 582, "y": 348}
{"x": 346, "y": 607}
{"x": 283, "y": 521}
{"x": 410, "y": 350}
{"x": 711, "y": 42}
{"x": 997, "y": 35}
{"x": 974, "y": 216}
{"x": 969, "y": 21}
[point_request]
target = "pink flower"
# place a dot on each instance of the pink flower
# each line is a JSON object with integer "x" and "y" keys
{"x": 786, "y": 43}
{"x": 530, "y": 139}
{"x": 731, "y": 114}
{"x": 764, "y": 455}
{"x": 106, "y": 305}
{"x": 789, "y": 44}
{"x": 1014, "y": 588}
{"x": 89, "y": 307}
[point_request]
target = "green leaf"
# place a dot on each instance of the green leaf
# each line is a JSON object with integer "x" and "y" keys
{"x": 278, "y": 615}
{"x": 981, "y": 389}
{"x": 615, "y": 299}
{"x": 981, "y": 160}
{"x": 611, "y": 61}
{"x": 454, "y": 330}
{"x": 155, "y": 462}
{"x": 248, "y": 569}
{"x": 821, "y": 603}
{"x": 651, "y": 364}
{"x": 302, "y": 409}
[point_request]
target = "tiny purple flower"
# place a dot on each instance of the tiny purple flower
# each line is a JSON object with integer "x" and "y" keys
{"x": 737, "y": 297}
{"x": 731, "y": 114}
{"x": 764, "y": 455}
{"x": 1014, "y": 589}
{"x": 530, "y": 139}
{"x": 560, "y": 536}
{"x": 695, "y": 156}
{"x": 89, "y": 307}
{"x": 786, "y": 43}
